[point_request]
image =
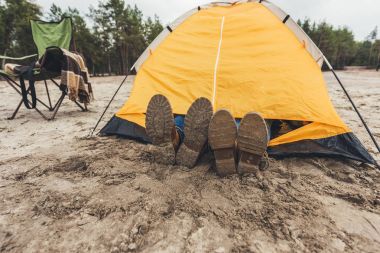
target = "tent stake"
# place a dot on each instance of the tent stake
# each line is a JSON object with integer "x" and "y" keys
{"x": 356, "y": 109}
{"x": 105, "y": 110}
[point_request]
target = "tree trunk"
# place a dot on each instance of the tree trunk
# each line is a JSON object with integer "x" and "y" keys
{"x": 3, "y": 61}
{"x": 109, "y": 65}
{"x": 126, "y": 60}
{"x": 121, "y": 60}
{"x": 370, "y": 55}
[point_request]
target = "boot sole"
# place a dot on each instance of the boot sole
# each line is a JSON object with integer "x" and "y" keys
{"x": 197, "y": 121}
{"x": 222, "y": 137}
{"x": 159, "y": 126}
{"x": 252, "y": 142}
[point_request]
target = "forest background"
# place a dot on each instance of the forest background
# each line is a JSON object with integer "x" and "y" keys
{"x": 114, "y": 34}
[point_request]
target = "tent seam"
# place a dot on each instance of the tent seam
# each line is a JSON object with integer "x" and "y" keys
{"x": 217, "y": 59}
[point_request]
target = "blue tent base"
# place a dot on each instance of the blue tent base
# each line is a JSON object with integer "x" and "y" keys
{"x": 346, "y": 146}
{"x": 124, "y": 128}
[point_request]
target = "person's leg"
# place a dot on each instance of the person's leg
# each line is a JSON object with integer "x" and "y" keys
{"x": 161, "y": 130}
{"x": 252, "y": 142}
{"x": 195, "y": 132}
{"x": 222, "y": 137}
{"x": 179, "y": 122}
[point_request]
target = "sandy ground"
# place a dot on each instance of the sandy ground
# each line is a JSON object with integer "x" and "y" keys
{"x": 63, "y": 192}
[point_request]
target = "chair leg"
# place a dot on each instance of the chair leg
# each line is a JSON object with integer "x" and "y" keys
{"x": 40, "y": 113}
{"x": 48, "y": 95}
{"x": 42, "y": 103}
{"x": 50, "y": 107}
{"x": 84, "y": 109}
{"x": 14, "y": 85}
{"x": 19, "y": 105}
{"x": 57, "y": 106}
{"x": 58, "y": 101}
{"x": 18, "y": 108}
{"x": 16, "y": 111}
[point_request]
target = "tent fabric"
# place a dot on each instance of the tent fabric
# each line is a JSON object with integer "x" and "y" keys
{"x": 254, "y": 73}
{"x": 242, "y": 57}
{"x": 51, "y": 34}
{"x": 292, "y": 25}
{"x": 344, "y": 146}
{"x": 300, "y": 34}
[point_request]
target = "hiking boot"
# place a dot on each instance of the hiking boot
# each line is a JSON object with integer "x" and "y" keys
{"x": 160, "y": 129}
{"x": 252, "y": 143}
{"x": 222, "y": 137}
{"x": 197, "y": 121}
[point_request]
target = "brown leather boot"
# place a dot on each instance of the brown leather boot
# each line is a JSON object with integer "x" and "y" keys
{"x": 196, "y": 132}
{"x": 160, "y": 129}
{"x": 252, "y": 143}
{"x": 222, "y": 137}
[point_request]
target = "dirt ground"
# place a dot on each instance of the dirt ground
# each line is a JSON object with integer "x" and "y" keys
{"x": 63, "y": 192}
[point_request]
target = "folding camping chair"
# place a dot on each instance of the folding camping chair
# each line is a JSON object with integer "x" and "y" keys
{"x": 47, "y": 36}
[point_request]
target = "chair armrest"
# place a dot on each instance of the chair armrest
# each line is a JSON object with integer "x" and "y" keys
{"x": 17, "y": 58}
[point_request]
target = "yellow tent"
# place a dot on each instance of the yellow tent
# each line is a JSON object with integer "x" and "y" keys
{"x": 243, "y": 56}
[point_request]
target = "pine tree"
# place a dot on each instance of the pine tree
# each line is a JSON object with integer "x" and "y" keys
{"x": 16, "y": 33}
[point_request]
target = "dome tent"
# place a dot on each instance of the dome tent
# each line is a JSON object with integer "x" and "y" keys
{"x": 244, "y": 56}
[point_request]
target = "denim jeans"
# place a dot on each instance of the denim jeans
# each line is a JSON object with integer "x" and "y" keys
{"x": 179, "y": 122}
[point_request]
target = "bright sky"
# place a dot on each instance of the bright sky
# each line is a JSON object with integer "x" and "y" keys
{"x": 360, "y": 15}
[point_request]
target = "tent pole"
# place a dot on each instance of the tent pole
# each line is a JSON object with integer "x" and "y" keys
{"x": 105, "y": 110}
{"x": 354, "y": 106}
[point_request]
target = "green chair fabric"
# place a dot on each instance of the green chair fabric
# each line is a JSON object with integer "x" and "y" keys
{"x": 48, "y": 34}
